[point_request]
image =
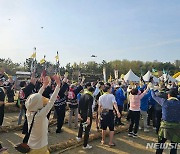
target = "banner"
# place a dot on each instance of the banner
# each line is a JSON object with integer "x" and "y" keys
{"x": 116, "y": 74}
{"x": 104, "y": 74}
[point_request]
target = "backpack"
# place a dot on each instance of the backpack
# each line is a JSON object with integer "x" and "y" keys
{"x": 21, "y": 94}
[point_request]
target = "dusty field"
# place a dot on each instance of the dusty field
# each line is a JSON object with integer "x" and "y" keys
{"x": 124, "y": 144}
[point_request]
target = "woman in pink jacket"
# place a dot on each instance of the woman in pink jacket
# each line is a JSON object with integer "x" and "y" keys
{"x": 134, "y": 110}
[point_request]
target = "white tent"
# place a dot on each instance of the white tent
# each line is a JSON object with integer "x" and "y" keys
{"x": 178, "y": 78}
{"x": 170, "y": 78}
{"x": 147, "y": 76}
{"x": 130, "y": 76}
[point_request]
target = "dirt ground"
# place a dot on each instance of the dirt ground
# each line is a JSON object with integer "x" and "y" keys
{"x": 124, "y": 144}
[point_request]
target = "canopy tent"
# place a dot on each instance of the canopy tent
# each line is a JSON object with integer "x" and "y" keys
{"x": 178, "y": 78}
{"x": 168, "y": 77}
{"x": 130, "y": 76}
{"x": 147, "y": 76}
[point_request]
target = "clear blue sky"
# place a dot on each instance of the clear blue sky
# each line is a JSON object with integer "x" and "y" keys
{"x": 144, "y": 30}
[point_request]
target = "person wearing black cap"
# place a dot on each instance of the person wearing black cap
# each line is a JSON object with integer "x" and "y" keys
{"x": 2, "y": 98}
{"x": 85, "y": 115}
{"x": 170, "y": 125}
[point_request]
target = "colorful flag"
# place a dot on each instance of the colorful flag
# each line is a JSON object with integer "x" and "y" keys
{"x": 57, "y": 57}
{"x": 42, "y": 61}
{"x": 164, "y": 72}
{"x": 33, "y": 55}
{"x": 154, "y": 70}
{"x": 110, "y": 78}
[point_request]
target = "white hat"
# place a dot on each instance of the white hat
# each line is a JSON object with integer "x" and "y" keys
{"x": 117, "y": 86}
{"x": 34, "y": 102}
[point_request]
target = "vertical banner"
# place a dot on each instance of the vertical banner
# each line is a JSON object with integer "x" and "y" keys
{"x": 104, "y": 73}
{"x": 116, "y": 74}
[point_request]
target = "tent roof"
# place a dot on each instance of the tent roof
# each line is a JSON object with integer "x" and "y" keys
{"x": 178, "y": 78}
{"x": 147, "y": 76}
{"x": 130, "y": 76}
{"x": 170, "y": 78}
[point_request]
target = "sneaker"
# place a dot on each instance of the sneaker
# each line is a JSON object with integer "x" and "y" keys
{"x": 87, "y": 147}
{"x": 78, "y": 139}
{"x": 59, "y": 131}
{"x": 140, "y": 128}
{"x": 146, "y": 130}
{"x": 135, "y": 135}
{"x": 154, "y": 128}
{"x": 130, "y": 134}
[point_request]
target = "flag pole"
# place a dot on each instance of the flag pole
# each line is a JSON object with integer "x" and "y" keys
{"x": 57, "y": 63}
{"x": 33, "y": 67}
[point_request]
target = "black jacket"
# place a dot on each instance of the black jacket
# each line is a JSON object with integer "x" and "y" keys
{"x": 85, "y": 106}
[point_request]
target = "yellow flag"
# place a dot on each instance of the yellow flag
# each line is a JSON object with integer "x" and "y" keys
{"x": 6, "y": 74}
{"x": 110, "y": 78}
{"x": 122, "y": 76}
{"x": 42, "y": 61}
{"x": 155, "y": 73}
{"x": 57, "y": 57}
{"x": 33, "y": 55}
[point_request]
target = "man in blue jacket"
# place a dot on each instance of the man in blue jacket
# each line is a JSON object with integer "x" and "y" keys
{"x": 170, "y": 125}
{"x": 144, "y": 108}
{"x": 120, "y": 98}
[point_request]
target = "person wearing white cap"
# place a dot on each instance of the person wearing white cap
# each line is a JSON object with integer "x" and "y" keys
{"x": 36, "y": 103}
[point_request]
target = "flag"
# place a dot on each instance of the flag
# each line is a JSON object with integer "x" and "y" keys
{"x": 6, "y": 74}
{"x": 33, "y": 55}
{"x": 110, "y": 78}
{"x": 154, "y": 70}
{"x": 164, "y": 72}
{"x": 155, "y": 73}
{"x": 122, "y": 76}
{"x": 42, "y": 61}
{"x": 57, "y": 57}
{"x": 104, "y": 74}
{"x": 116, "y": 74}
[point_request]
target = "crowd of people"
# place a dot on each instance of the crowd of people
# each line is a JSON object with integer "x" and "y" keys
{"x": 146, "y": 102}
